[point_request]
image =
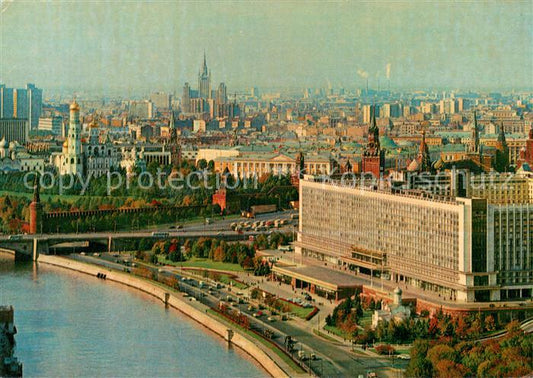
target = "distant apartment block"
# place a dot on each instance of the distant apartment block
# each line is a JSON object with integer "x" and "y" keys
{"x": 13, "y": 129}
{"x": 141, "y": 109}
{"x": 161, "y": 100}
{"x": 21, "y": 103}
{"x": 504, "y": 189}
{"x": 52, "y": 125}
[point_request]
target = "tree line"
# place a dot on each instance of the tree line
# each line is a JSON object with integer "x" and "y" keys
{"x": 448, "y": 356}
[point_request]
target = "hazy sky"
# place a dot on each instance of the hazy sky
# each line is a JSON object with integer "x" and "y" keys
{"x": 139, "y": 46}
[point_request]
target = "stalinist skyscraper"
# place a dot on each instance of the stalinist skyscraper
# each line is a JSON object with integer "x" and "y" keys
{"x": 204, "y": 81}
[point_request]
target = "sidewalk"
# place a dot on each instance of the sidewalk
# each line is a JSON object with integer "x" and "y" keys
{"x": 285, "y": 291}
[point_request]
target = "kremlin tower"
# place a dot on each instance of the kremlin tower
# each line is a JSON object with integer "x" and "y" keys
{"x": 36, "y": 209}
{"x": 526, "y": 153}
{"x": 373, "y": 160}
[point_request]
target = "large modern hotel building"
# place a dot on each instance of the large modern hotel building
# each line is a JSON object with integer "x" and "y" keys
{"x": 462, "y": 249}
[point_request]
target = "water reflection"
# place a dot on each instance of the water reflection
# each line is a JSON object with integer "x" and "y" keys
{"x": 75, "y": 325}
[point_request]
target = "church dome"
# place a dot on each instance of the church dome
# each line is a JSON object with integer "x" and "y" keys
{"x": 74, "y": 106}
{"x": 439, "y": 164}
{"x": 413, "y": 166}
{"x": 525, "y": 167}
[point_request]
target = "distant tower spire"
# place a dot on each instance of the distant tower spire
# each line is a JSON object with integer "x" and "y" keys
{"x": 373, "y": 159}
{"x": 373, "y": 130}
{"x": 204, "y": 67}
{"x": 423, "y": 154}
{"x": 36, "y": 195}
{"x": 475, "y": 135}
{"x": 173, "y": 132}
{"x": 501, "y": 161}
{"x": 373, "y": 120}
{"x": 204, "y": 80}
{"x": 174, "y": 142}
{"x": 501, "y": 135}
{"x": 171, "y": 123}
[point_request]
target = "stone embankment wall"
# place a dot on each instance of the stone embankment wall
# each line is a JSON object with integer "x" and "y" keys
{"x": 172, "y": 300}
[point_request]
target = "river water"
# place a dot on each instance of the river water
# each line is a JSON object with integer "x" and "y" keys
{"x": 73, "y": 325}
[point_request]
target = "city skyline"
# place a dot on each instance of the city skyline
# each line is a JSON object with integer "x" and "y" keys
{"x": 132, "y": 48}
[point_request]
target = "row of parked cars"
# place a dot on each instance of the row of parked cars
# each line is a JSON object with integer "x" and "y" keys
{"x": 258, "y": 225}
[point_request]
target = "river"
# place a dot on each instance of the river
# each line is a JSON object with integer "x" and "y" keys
{"x": 71, "y": 325}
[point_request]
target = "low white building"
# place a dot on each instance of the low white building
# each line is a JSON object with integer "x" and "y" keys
{"x": 12, "y": 160}
{"x": 392, "y": 312}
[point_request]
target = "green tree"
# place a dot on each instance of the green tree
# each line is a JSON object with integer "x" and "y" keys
{"x": 440, "y": 352}
{"x": 202, "y": 164}
{"x": 419, "y": 365}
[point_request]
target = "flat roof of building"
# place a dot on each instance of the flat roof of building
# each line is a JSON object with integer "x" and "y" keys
{"x": 276, "y": 253}
{"x": 323, "y": 277}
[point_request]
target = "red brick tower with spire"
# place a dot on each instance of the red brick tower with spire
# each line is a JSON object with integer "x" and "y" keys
{"x": 526, "y": 154}
{"x": 373, "y": 160}
{"x": 36, "y": 209}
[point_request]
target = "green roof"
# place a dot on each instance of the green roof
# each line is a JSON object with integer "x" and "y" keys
{"x": 387, "y": 143}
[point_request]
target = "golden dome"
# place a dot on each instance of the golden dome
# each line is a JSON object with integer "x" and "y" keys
{"x": 65, "y": 143}
{"x": 74, "y": 106}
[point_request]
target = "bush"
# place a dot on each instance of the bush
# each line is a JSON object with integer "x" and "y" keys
{"x": 256, "y": 293}
{"x": 424, "y": 313}
{"x": 175, "y": 256}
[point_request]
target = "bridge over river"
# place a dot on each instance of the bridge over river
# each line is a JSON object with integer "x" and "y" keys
{"x": 28, "y": 247}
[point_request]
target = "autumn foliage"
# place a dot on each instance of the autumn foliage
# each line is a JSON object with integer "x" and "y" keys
{"x": 506, "y": 356}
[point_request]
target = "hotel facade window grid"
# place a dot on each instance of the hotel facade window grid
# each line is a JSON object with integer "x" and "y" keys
{"x": 443, "y": 246}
